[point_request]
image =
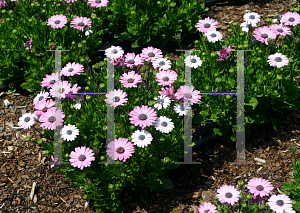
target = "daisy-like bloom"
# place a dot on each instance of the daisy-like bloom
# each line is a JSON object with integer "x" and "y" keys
{"x": 74, "y": 89}
{"x": 224, "y": 54}
{"x": 55, "y": 161}
{"x": 40, "y": 96}
{"x": 162, "y": 64}
{"x": 60, "y": 89}
{"x": 120, "y": 149}
{"x": 116, "y": 98}
{"x": 286, "y": 210}
{"x": 142, "y": 116}
{"x": 114, "y": 52}
{"x": 72, "y": 69}
{"x": 252, "y": 17}
{"x": 98, "y": 3}
{"x": 119, "y": 62}
{"x": 80, "y": 22}
{"x": 131, "y": 79}
{"x": 169, "y": 92}
{"x": 279, "y": 202}
{"x": 132, "y": 60}
{"x": 278, "y": 60}
{"x": 151, "y": 54}
{"x": 193, "y": 61}
{"x": 187, "y": 94}
{"x": 228, "y": 194}
{"x": 79, "y": 99}
{"x": 290, "y": 18}
{"x": 50, "y": 80}
{"x": 213, "y": 36}
{"x": 49, "y": 118}
{"x": 208, "y": 24}
{"x": 246, "y": 25}
{"x": 57, "y": 21}
{"x": 274, "y": 20}
{"x": 164, "y": 124}
{"x": 207, "y": 208}
{"x": 82, "y": 157}
{"x": 43, "y": 106}
{"x": 259, "y": 186}
{"x": 280, "y": 29}
{"x": 3, "y": 4}
{"x": 27, "y": 120}
{"x": 28, "y": 45}
{"x": 181, "y": 108}
{"x": 87, "y": 33}
{"x": 258, "y": 199}
{"x": 166, "y": 78}
{"x": 263, "y": 33}
{"x": 69, "y": 132}
{"x": 162, "y": 101}
{"x": 141, "y": 138}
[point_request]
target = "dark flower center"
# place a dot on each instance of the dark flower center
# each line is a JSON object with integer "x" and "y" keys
{"x": 193, "y": 60}
{"x": 165, "y": 78}
{"x": 57, "y": 21}
{"x": 161, "y": 101}
{"x": 52, "y": 82}
{"x": 259, "y": 187}
{"x": 40, "y": 98}
{"x": 61, "y": 90}
{"x": 120, "y": 150}
{"x": 117, "y": 99}
{"x": 27, "y": 119}
{"x": 98, "y": 1}
{"x": 213, "y": 35}
{"x": 279, "y": 202}
{"x": 142, "y": 137}
{"x": 252, "y": 17}
{"x": 80, "y": 23}
{"x": 45, "y": 109}
{"x": 69, "y": 132}
{"x": 51, "y": 119}
{"x": 164, "y": 124}
{"x": 131, "y": 61}
{"x": 188, "y": 95}
{"x": 228, "y": 195}
{"x": 291, "y": 19}
{"x": 162, "y": 63}
{"x": 71, "y": 69}
{"x": 130, "y": 80}
{"x": 264, "y": 35}
{"x": 151, "y": 54}
{"x": 280, "y": 30}
{"x": 114, "y": 51}
{"x": 207, "y": 25}
{"x": 143, "y": 117}
{"x": 82, "y": 158}
{"x": 278, "y": 59}
{"x": 207, "y": 211}
{"x": 182, "y": 108}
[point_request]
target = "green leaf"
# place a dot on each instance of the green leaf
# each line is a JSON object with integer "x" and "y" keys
{"x": 135, "y": 44}
{"x": 166, "y": 184}
{"x": 217, "y": 131}
{"x": 251, "y": 102}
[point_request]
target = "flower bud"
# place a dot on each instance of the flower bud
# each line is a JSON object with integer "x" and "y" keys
{"x": 67, "y": 155}
{"x": 79, "y": 45}
{"x": 173, "y": 4}
{"x": 230, "y": 30}
{"x": 279, "y": 77}
{"x": 235, "y": 23}
{"x": 40, "y": 141}
{"x": 249, "y": 196}
{"x": 93, "y": 16}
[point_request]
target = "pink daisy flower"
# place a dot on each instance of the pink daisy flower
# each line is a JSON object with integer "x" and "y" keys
{"x": 114, "y": 52}
{"x": 206, "y": 25}
{"x": 57, "y": 21}
{"x": 162, "y": 64}
{"x": 228, "y": 194}
{"x": 27, "y": 121}
{"x": 80, "y": 22}
{"x": 119, "y": 62}
{"x": 186, "y": 94}
{"x": 40, "y": 96}
{"x": 60, "y": 89}
{"x": 168, "y": 92}
{"x": 280, "y": 29}
{"x": 278, "y": 60}
{"x": 151, "y": 54}
{"x": 98, "y": 3}
{"x": 213, "y": 36}
{"x": 49, "y": 118}
{"x": 116, "y": 98}
{"x": 43, "y": 106}
{"x": 50, "y": 80}
{"x": 263, "y": 33}
{"x": 207, "y": 208}
{"x": 259, "y": 186}
{"x": 55, "y": 161}
{"x": 166, "y": 78}
{"x": 28, "y": 44}
{"x": 279, "y": 202}
{"x": 131, "y": 79}
{"x": 142, "y": 116}
{"x": 120, "y": 149}
{"x": 82, "y": 157}
{"x": 224, "y": 54}
{"x": 72, "y": 69}
{"x": 132, "y": 60}
{"x": 290, "y": 18}
{"x": 252, "y": 18}
{"x": 74, "y": 89}
{"x": 3, "y": 4}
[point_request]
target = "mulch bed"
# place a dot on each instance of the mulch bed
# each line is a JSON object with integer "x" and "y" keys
{"x": 23, "y": 164}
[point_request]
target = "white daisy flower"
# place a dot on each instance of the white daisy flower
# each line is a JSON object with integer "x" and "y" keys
{"x": 164, "y": 124}
{"x": 79, "y": 99}
{"x": 193, "y": 61}
{"x": 114, "y": 52}
{"x": 162, "y": 63}
{"x": 182, "y": 109}
{"x": 69, "y": 132}
{"x": 245, "y": 26}
{"x": 213, "y": 36}
{"x": 141, "y": 138}
{"x": 41, "y": 96}
{"x": 252, "y": 17}
{"x": 162, "y": 101}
